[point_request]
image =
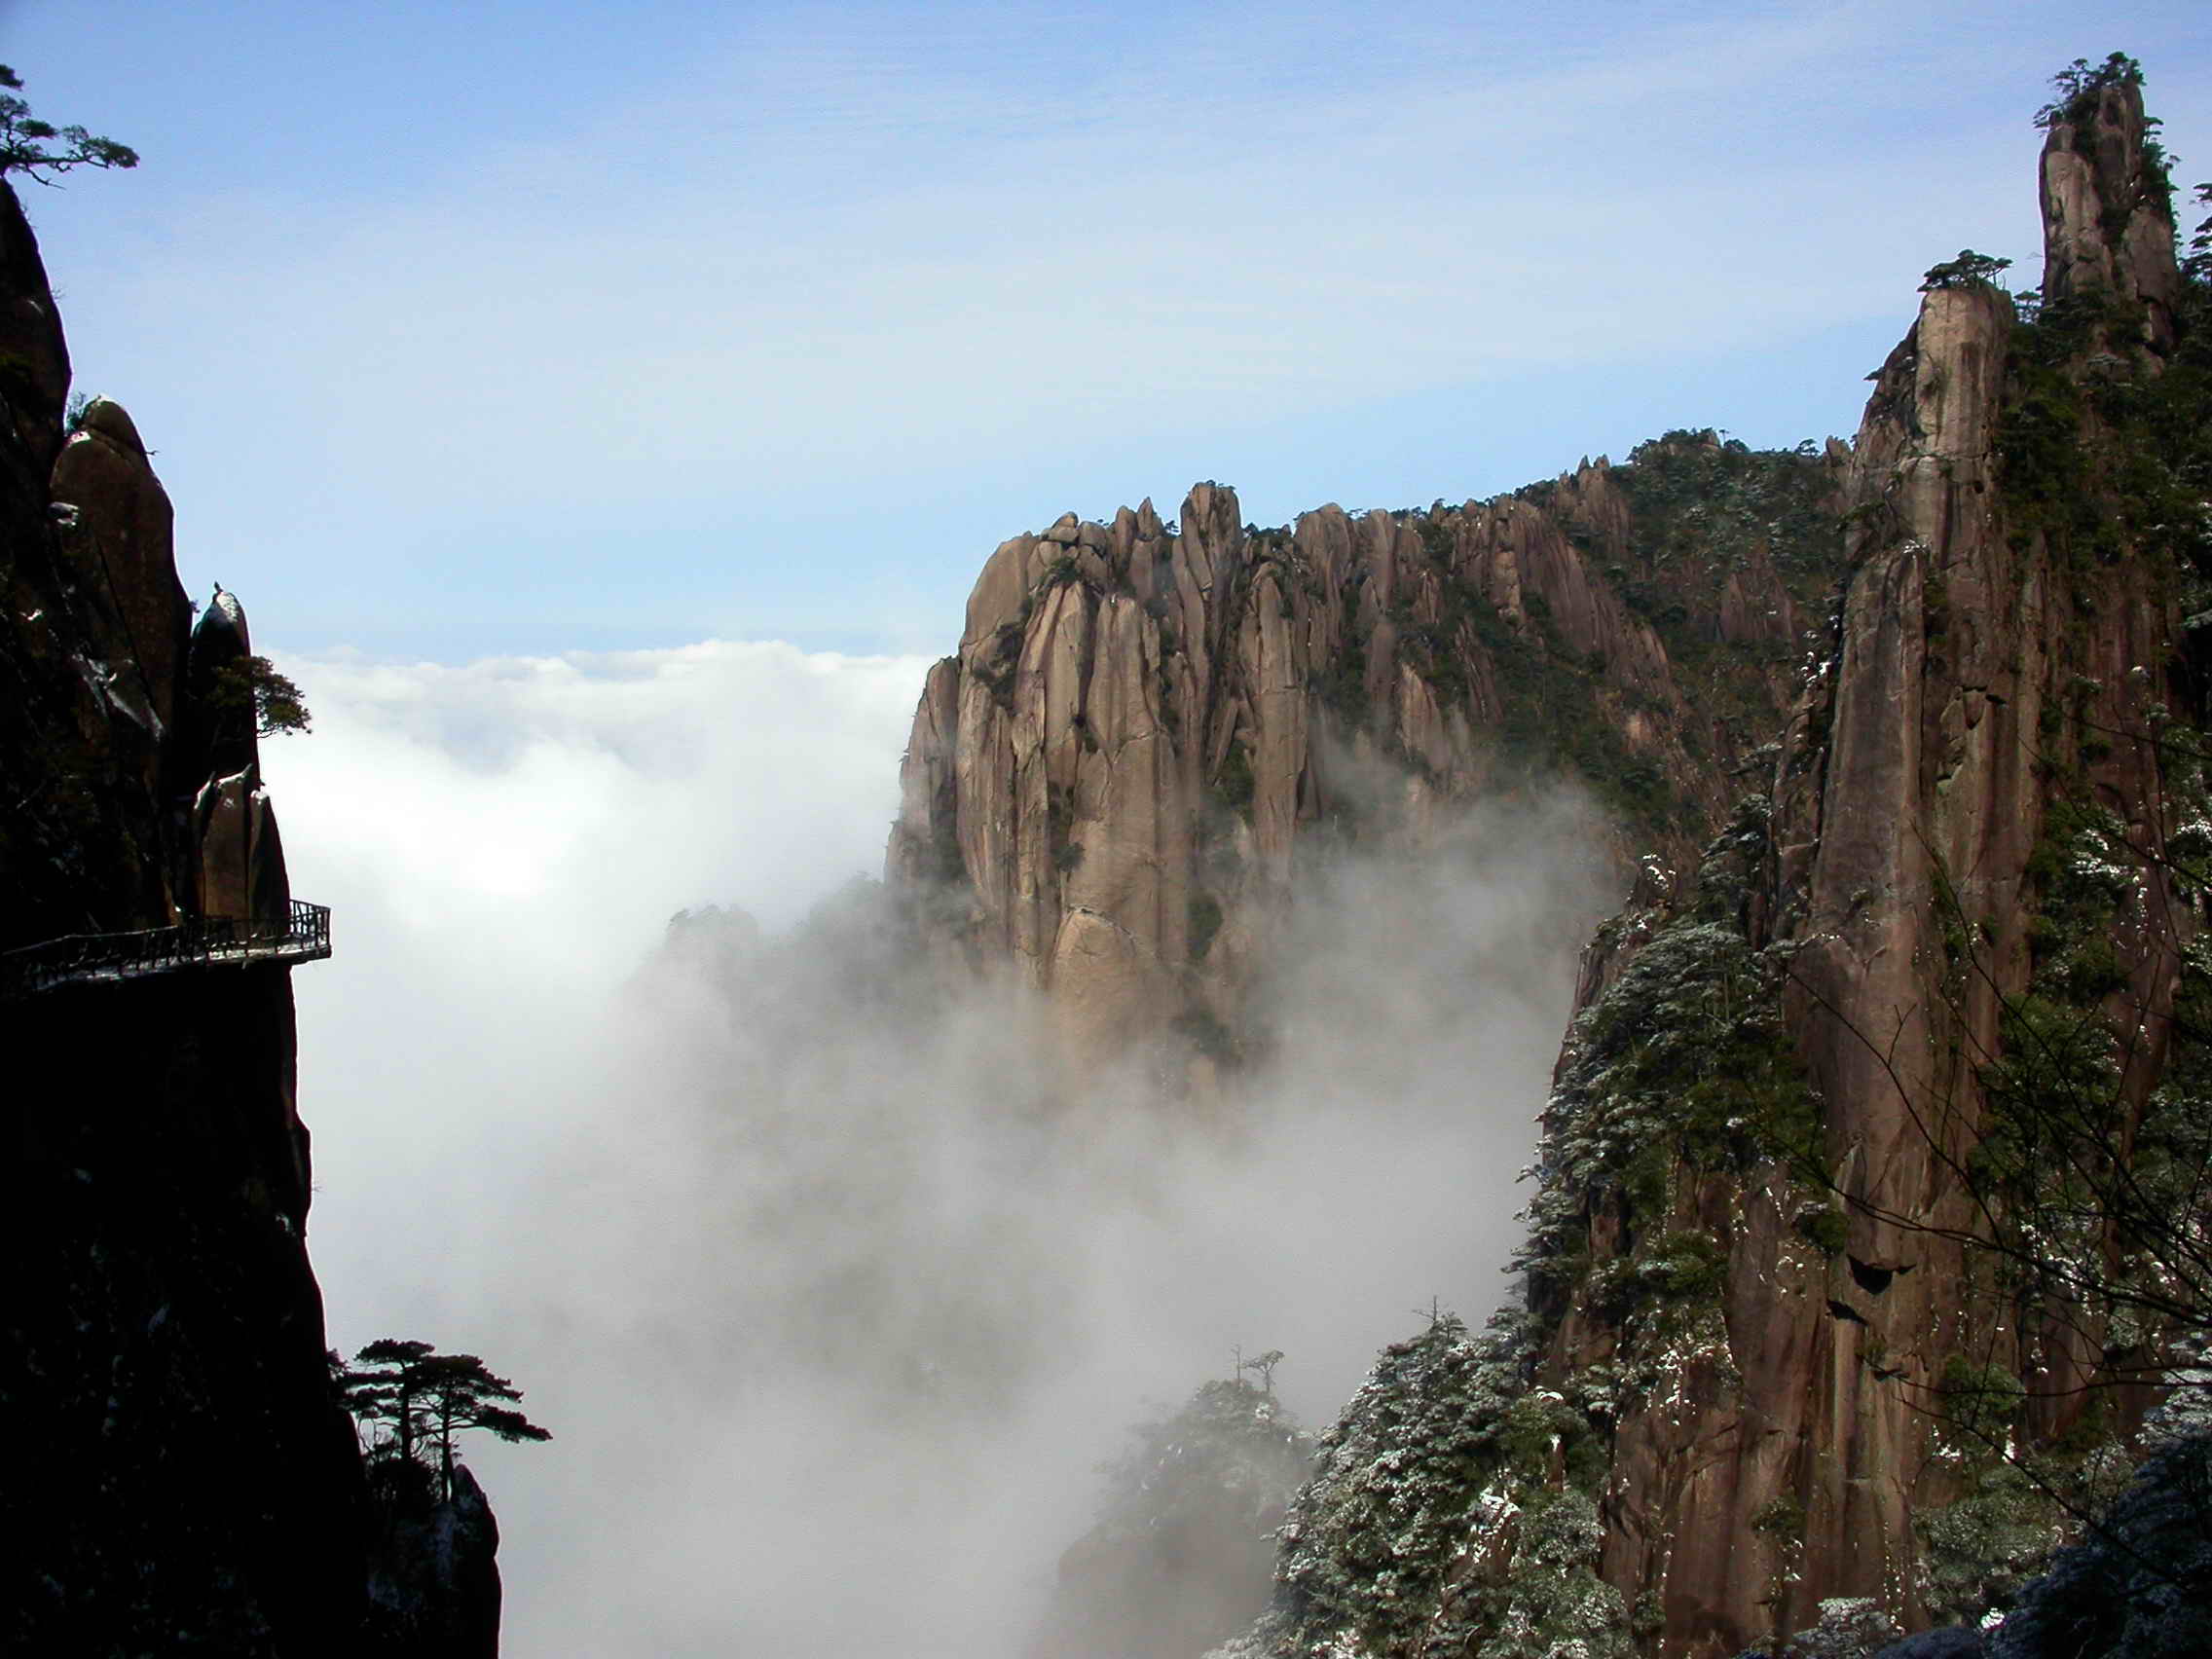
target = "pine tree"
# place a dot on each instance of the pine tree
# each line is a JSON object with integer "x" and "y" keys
{"x": 36, "y": 148}
{"x": 413, "y": 1397}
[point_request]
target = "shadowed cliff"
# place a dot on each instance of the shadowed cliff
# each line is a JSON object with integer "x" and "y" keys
{"x": 182, "y": 1475}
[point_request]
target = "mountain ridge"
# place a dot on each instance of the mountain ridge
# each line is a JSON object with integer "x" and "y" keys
{"x": 1107, "y": 783}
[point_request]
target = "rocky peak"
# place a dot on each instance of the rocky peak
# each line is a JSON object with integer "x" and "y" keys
{"x": 2007, "y": 603}
{"x": 142, "y": 801}
{"x": 116, "y": 526}
{"x": 1107, "y": 788}
{"x": 433, "y": 1578}
{"x": 2107, "y": 202}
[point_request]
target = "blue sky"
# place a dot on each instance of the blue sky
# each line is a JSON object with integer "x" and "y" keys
{"x": 503, "y": 328}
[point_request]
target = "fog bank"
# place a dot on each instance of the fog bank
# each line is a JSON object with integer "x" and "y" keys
{"x": 833, "y": 1288}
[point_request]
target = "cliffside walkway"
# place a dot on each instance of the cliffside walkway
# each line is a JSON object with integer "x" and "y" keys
{"x": 199, "y": 941}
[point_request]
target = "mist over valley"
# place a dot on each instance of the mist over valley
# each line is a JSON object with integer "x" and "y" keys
{"x": 788, "y": 998}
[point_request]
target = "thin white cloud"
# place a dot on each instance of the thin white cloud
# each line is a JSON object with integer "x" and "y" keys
{"x": 869, "y": 271}
{"x": 830, "y": 262}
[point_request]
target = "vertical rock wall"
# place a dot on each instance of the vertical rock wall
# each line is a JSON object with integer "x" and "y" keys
{"x": 181, "y": 1476}
{"x": 1989, "y": 659}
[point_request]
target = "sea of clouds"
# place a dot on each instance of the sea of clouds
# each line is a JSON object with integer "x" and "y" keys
{"x": 834, "y": 1286}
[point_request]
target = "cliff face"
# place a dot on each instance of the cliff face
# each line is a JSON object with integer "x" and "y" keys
{"x": 2008, "y": 652}
{"x": 1996, "y": 662}
{"x": 1147, "y": 727}
{"x": 1828, "y": 1291}
{"x": 181, "y": 1473}
{"x": 1810, "y": 1245}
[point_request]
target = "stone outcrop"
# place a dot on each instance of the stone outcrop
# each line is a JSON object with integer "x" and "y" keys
{"x": 2107, "y": 213}
{"x": 116, "y": 526}
{"x": 435, "y": 1587}
{"x": 241, "y": 867}
{"x": 1114, "y": 779}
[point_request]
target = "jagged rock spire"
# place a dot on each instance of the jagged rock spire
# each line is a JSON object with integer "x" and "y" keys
{"x": 2107, "y": 204}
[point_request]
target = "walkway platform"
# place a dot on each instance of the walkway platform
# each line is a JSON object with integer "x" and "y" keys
{"x": 200, "y": 942}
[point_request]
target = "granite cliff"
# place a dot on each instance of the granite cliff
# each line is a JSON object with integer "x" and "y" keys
{"x": 183, "y": 1476}
{"x": 1148, "y": 726}
{"x": 1832, "y": 1316}
{"x": 2009, "y": 640}
{"x": 1962, "y": 865}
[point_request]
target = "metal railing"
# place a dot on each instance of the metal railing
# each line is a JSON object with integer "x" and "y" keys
{"x": 197, "y": 941}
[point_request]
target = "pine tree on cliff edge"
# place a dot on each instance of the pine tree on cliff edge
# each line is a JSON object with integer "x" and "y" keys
{"x": 410, "y": 1396}
{"x": 27, "y": 144}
